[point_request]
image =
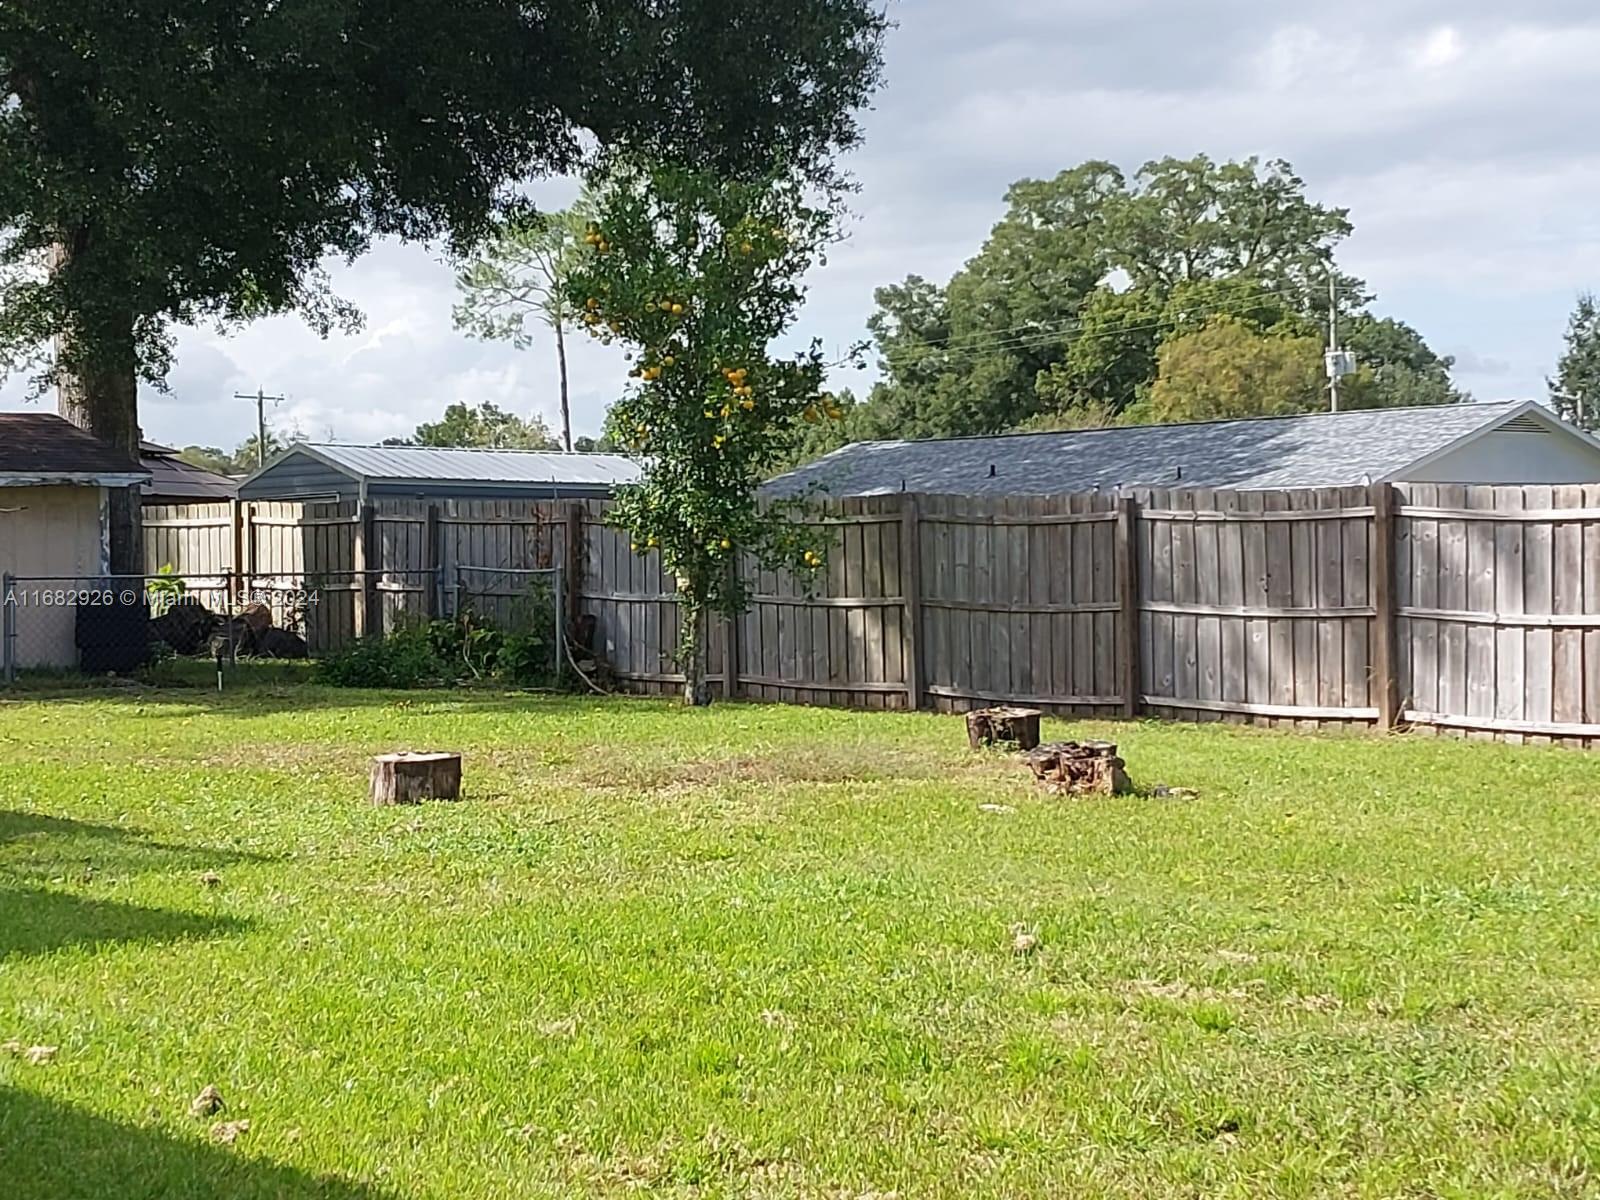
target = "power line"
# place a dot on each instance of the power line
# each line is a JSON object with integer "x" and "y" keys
{"x": 1030, "y": 329}
{"x": 1049, "y": 335}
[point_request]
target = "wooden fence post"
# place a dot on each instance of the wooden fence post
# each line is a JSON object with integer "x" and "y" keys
{"x": 252, "y": 552}
{"x": 236, "y": 552}
{"x": 911, "y": 590}
{"x": 430, "y": 561}
{"x": 731, "y": 686}
{"x": 364, "y": 553}
{"x": 572, "y": 574}
{"x": 1127, "y": 567}
{"x": 1385, "y": 685}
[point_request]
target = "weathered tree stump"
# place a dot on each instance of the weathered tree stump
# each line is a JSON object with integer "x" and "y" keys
{"x": 1079, "y": 768}
{"x": 412, "y": 778}
{"x": 1015, "y": 727}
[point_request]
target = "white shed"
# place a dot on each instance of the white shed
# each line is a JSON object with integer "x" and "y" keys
{"x": 55, "y": 481}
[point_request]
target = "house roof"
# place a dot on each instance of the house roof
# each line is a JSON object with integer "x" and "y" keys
{"x": 40, "y": 448}
{"x": 1309, "y": 450}
{"x": 171, "y": 477}
{"x": 420, "y": 464}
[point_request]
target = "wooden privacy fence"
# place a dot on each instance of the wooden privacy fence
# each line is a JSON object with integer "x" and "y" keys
{"x": 369, "y": 567}
{"x": 1459, "y": 608}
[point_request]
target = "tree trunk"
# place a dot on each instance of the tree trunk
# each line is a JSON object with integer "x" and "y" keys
{"x": 566, "y": 411}
{"x": 103, "y": 398}
{"x": 692, "y": 652}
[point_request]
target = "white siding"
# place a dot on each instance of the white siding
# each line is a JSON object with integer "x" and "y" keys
{"x": 49, "y": 531}
{"x": 1507, "y": 456}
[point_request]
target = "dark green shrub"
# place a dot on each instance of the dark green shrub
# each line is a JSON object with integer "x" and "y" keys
{"x": 403, "y": 659}
{"x": 527, "y": 659}
{"x": 467, "y": 643}
{"x": 447, "y": 651}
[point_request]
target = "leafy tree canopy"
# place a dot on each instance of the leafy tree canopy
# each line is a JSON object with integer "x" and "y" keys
{"x": 170, "y": 161}
{"x": 1575, "y": 390}
{"x": 244, "y": 458}
{"x": 485, "y": 427}
{"x": 1061, "y": 317}
{"x": 1230, "y": 368}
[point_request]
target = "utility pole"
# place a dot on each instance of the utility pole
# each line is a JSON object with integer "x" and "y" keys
{"x": 1339, "y": 362}
{"x": 261, "y": 399}
{"x": 1333, "y": 340}
{"x": 1580, "y": 407}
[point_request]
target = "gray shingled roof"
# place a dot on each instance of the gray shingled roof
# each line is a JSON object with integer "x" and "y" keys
{"x": 1315, "y": 450}
{"x": 476, "y": 466}
{"x": 44, "y": 448}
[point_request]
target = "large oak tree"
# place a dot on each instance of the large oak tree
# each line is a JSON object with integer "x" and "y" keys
{"x": 164, "y": 162}
{"x": 1060, "y": 318}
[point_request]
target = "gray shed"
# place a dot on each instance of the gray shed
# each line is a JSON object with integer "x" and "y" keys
{"x": 323, "y": 471}
{"x": 1513, "y": 442}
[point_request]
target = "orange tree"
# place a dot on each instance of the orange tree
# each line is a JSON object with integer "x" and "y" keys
{"x": 697, "y": 276}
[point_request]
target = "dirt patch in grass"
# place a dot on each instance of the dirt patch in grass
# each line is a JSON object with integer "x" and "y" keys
{"x": 778, "y": 766}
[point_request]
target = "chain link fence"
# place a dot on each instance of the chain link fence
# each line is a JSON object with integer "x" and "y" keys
{"x": 61, "y": 626}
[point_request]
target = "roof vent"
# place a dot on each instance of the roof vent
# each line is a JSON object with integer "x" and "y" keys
{"x": 1521, "y": 425}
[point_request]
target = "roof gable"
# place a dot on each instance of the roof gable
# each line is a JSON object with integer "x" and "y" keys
{"x": 1312, "y": 450}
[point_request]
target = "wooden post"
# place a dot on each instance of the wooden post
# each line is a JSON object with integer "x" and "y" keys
{"x": 364, "y": 554}
{"x": 1128, "y": 593}
{"x": 430, "y": 561}
{"x": 1385, "y": 686}
{"x": 252, "y": 552}
{"x": 911, "y": 590}
{"x": 730, "y": 642}
{"x": 572, "y": 574}
{"x": 236, "y": 557}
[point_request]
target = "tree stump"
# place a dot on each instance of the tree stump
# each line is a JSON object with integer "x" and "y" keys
{"x": 412, "y": 778}
{"x": 1017, "y": 728}
{"x": 1079, "y": 768}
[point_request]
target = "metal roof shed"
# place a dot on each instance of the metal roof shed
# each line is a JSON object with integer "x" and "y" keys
{"x": 1514, "y": 442}
{"x": 324, "y": 471}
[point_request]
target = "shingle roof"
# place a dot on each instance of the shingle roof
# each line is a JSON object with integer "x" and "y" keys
{"x": 476, "y": 466}
{"x": 172, "y": 478}
{"x": 50, "y": 449}
{"x": 1314, "y": 450}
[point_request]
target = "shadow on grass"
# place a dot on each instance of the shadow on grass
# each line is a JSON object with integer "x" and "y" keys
{"x": 250, "y": 700}
{"x": 34, "y": 846}
{"x": 51, "y": 1151}
{"x": 37, "y": 921}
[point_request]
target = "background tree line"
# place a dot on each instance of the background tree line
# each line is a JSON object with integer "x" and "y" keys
{"x": 1192, "y": 289}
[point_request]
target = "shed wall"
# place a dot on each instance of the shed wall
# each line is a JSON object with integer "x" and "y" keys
{"x": 50, "y": 531}
{"x": 1509, "y": 457}
{"x": 298, "y": 477}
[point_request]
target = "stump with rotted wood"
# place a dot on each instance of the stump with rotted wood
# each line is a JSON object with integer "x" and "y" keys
{"x": 1079, "y": 768}
{"x": 413, "y": 778}
{"x": 1015, "y": 728}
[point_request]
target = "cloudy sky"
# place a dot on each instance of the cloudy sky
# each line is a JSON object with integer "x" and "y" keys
{"x": 1459, "y": 134}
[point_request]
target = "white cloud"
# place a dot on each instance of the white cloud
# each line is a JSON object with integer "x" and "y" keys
{"x": 1440, "y": 48}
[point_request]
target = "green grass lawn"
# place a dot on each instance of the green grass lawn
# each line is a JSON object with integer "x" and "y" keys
{"x": 768, "y": 952}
